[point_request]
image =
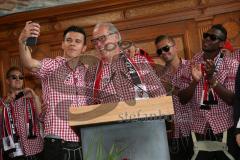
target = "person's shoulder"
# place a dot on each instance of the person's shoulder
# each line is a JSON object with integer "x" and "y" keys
{"x": 230, "y": 60}
{"x": 198, "y": 56}
{"x": 92, "y": 68}
{"x": 230, "y": 63}
{"x": 236, "y": 51}
{"x": 185, "y": 62}
{"x": 57, "y": 59}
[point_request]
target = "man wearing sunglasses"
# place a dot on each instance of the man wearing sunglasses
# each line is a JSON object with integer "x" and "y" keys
{"x": 211, "y": 93}
{"x": 167, "y": 50}
{"x": 63, "y": 85}
{"x": 236, "y": 54}
{"x": 21, "y": 138}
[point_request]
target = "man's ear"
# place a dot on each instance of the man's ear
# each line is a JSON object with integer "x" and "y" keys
{"x": 62, "y": 44}
{"x": 117, "y": 37}
{"x": 7, "y": 81}
{"x": 84, "y": 48}
{"x": 176, "y": 48}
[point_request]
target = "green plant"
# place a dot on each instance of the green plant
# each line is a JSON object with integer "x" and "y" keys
{"x": 115, "y": 152}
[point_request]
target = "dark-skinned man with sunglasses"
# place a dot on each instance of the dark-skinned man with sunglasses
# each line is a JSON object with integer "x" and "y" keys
{"x": 211, "y": 94}
{"x": 167, "y": 50}
{"x": 21, "y": 139}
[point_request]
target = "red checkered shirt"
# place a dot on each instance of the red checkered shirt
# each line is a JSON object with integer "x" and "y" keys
{"x": 29, "y": 146}
{"x": 61, "y": 87}
{"x": 219, "y": 117}
{"x": 182, "y": 116}
{"x": 236, "y": 54}
{"x": 116, "y": 84}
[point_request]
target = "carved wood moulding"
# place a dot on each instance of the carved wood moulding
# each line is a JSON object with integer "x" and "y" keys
{"x": 166, "y": 11}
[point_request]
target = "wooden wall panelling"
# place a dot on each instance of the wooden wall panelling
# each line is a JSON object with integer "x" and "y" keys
{"x": 2, "y": 77}
{"x": 161, "y": 8}
{"x": 68, "y": 10}
{"x": 191, "y": 39}
{"x": 137, "y": 20}
{"x": 203, "y": 26}
{"x": 231, "y": 21}
{"x": 5, "y": 64}
{"x": 15, "y": 61}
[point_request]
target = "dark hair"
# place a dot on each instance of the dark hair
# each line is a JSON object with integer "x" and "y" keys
{"x": 76, "y": 29}
{"x": 163, "y": 37}
{"x": 11, "y": 69}
{"x": 222, "y": 29}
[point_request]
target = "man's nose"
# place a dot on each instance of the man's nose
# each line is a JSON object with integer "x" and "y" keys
{"x": 98, "y": 43}
{"x": 72, "y": 43}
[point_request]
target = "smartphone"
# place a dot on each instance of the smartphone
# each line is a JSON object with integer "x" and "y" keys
{"x": 31, "y": 41}
{"x": 19, "y": 95}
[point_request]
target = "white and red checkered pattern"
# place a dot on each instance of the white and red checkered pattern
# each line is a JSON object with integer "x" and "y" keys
{"x": 219, "y": 117}
{"x": 236, "y": 54}
{"x": 116, "y": 84}
{"x": 62, "y": 87}
{"x": 29, "y": 146}
{"x": 182, "y": 116}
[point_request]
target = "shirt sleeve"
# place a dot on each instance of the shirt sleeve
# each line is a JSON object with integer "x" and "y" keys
{"x": 236, "y": 55}
{"x": 152, "y": 82}
{"x": 183, "y": 78}
{"x": 48, "y": 65}
{"x": 229, "y": 82}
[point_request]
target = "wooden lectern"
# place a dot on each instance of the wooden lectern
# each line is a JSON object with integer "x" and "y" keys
{"x": 136, "y": 127}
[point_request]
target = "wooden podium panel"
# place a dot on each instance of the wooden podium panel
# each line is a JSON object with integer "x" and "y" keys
{"x": 122, "y": 111}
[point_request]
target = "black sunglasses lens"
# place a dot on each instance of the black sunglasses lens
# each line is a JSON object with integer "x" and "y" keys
{"x": 159, "y": 51}
{"x": 205, "y": 35}
{"x": 166, "y": 48}
{"x": 213, "y": 37}
{"x": 16, "y": 77}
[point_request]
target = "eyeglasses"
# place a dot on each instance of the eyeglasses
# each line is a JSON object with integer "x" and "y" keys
{"x": 211, "y": 36}
{"x": 165, "y": 49}
{"x": 102, "y": 38}
{"x": 14, "y": 77}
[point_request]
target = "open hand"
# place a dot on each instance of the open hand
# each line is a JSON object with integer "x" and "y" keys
{"x": 196, "y": 72}
{"x": 28, "y": 92}
{"x": 210, "y": 68}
